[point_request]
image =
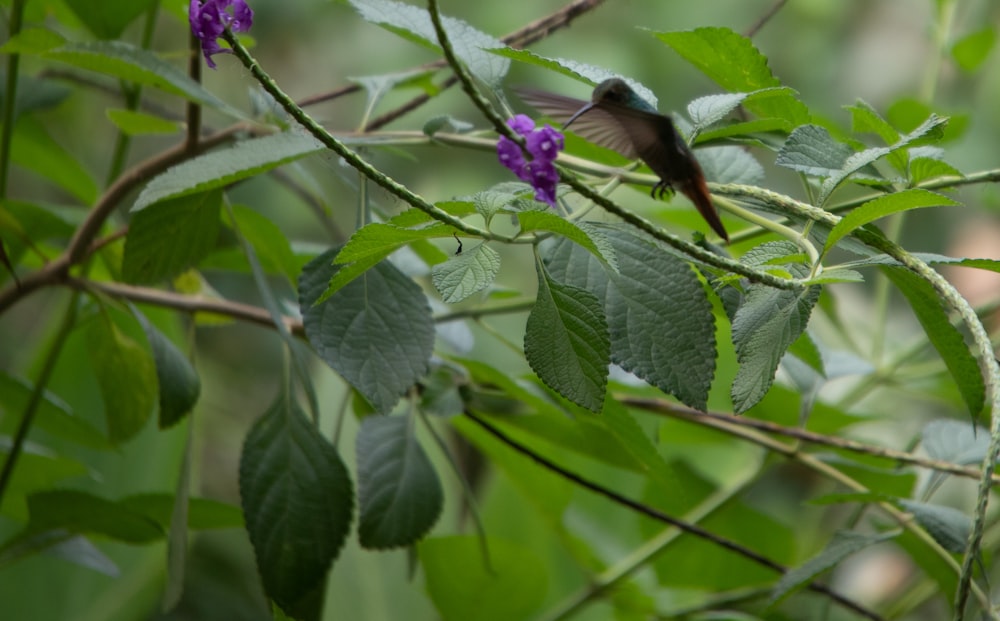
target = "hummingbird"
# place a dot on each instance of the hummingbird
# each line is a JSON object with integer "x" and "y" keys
{"x": 617, "y": 118}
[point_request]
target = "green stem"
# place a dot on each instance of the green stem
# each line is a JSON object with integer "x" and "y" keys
{"x": 350, "y": 156}
{"x": 882, "y": 288}
{"x": 37, "y": 393}
{"x": 10, "y": 96}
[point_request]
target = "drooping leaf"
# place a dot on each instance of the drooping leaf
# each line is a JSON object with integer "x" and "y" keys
{"x": 33, "y": 148}
{"x": 399, "y": 492}
{"x": 732, "y": 61}
{"x": 376, "y": 332}
{"x": 954, "y": 441}
{"x": 843, "y": 545}
{"x": 581, "y": 233}
{"x": 660, "y": 320}
{"x": 465, "y": 274}
{"x": 83, "y": 513}
{"x": 223, "y": 167}
{"x": 126, "y": 377}
{"x": 171, "y": 236}
{"x": 202, "y": 514}
{"x": 463, "y": 586}
{"x": 298, "y": 502}
{"x": 947, "y": 340}
{"x": 179, "y": 383}
{"x": 624, "y": 426}
{"x": 766, "y": 324}
{"x": 949, "y": 527}
{"x": 912, "y": 198}
{"x": 414, "y": 23}
{"x": 566, "y": 342}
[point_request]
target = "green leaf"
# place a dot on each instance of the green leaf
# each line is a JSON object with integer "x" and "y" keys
{"x": 107, "y": 19}
{"x": 463, "y": 585}
{"x": 298, "y": 502}
{"x": 80, "y": 512}
{"x": 376, "y": 332}
{"x": 465, "y": 274}
{"x": 864, "y": 119}
{"x": 268, "y": 241}
{"x": 710, "y": 109}
{"x": 169, "y": 237}
{"x": 949, "y": 527}
{"x": 566, "y": 342}
{"x": 126, "y": 378}
{"x": 223, "y": 167}
{"x": 954, "y": 441}
{"x": 624, "y": 426}
{"x": 912, "y": 198}
{"x": 581, "y": 233}
{"x": 414, "y": 23}
{"x": 398, "y": 490}
{"x": 730, "y": 164}
{"x": 34, "y": 149}
{"x": 948, "y": 341}
{"x": 732, "y": 61}
{"x": 133, "y": 64}
{"x": 766, "y": 324}
{"x": 134, "y": 123}
{"x": 53, "y": 415}
{"x": 810, "y": 149}
{"x": 203, "y": 513}
{"x": 804, "y": 348}
{"x": 843, "y": 545}
{"x": 660, "y": 320}
{"x": 179, "y": 383}
{"x": 581, "y": 72}
{"x": 971, "y": 50}
{"x": 926, "y": 168}
{"x": 931, "y": 129}
{"x": 381, "y": 239}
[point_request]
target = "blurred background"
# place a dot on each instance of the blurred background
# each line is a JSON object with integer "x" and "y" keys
{"x": 833, "y": 52}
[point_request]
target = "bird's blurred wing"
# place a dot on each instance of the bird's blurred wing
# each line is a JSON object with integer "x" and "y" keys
{"x": 596, "y": 125}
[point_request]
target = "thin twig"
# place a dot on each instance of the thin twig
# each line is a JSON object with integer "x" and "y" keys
{"x": 659, "y": 516}
{"x": 766, "y": 17}
{"x": 662, "y": 406}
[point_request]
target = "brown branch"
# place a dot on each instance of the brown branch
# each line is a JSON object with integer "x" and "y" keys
{"x": 659, "y": 406}
{"x": 58, "y": 270}
{"x": 187, "y": 303}
{"x": 659, "y": 516}
{"x": 766, "y": 17}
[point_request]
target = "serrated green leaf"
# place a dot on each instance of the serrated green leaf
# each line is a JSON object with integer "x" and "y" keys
{"x": 414, "y": 23}
{"x": 179, "y": 383}
{"x": 660, "y": 320}
{"x": 581, "y": 233}
{"x": 83, "y": 513}
{"x": 912, "y": 198}
{"x": 134, "y": 123}
{"x": 581, "y": 72}
{"x": 710, "y": 109}
{"x": 732, "y": 61}
{"x": 949, "y": 527}
{"x": 376, "y": 332}
{"x": 169, "y": 237}
{"x": 730, "y": 165}
{"x": 268, "y": 241}
{"x": 465, "y": 274}
{"x": 126, "y": 377}
{"x": 865, "y": 119}
{"x": 931, "y": 129}
{"x": 843, "y": 545}
{"x": 811, "y": 149}
{"x": 223, "y": 167}
{"x": 140, "y": 66}
{"x": 947, "y": 340}
{"x": 399, "y": 492}
{"x": 766, "y": 324}
{"x": 107, "y": 19}
{"x": 53, "y": 415}
{"x": 749, "y": 132}
{"x": 463, "y": 585}
{"x": 923, "y": 169}
{"x": 971, "y": 50}
{"x": 298, "y": 502}
{"x": 566, "y": 342}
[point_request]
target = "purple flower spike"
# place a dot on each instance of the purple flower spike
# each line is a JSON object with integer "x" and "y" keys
{"x": 543, "y": 145}
{"x": 209, "y": 19}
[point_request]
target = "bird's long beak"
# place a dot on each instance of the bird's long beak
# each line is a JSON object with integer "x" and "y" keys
{"x": 579, "y": 113}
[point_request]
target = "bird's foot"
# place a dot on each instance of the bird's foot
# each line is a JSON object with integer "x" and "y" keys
{"x": 662, "y": 188}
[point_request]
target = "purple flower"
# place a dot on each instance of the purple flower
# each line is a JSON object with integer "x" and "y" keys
{"x": 543, "y": 145}
{"x": 209, "y": 19}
